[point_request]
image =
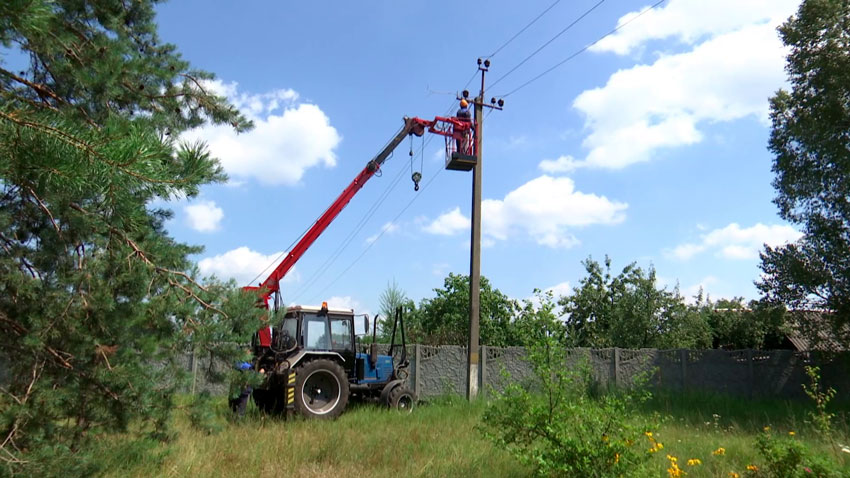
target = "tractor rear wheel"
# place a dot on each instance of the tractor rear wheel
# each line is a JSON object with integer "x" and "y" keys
{"x": 321, "y": 389}
{"x": 402, "y": 399}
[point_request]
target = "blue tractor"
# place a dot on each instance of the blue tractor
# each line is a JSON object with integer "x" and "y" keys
{"x": 312, "y": 365}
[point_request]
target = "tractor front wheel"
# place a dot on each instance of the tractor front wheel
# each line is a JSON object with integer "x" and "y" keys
{"x": 402, "y": 399}
{"x": 321, "y": 389}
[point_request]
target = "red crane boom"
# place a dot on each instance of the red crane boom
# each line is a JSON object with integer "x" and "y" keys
{"x": 450, "y": 127}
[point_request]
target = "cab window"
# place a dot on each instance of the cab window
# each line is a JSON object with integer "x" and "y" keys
{"x": 315, "y": 333}
{"x": 340, "y": 334}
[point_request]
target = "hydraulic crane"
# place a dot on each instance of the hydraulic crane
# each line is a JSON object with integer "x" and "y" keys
{"x": 457, "y": 133}
{"x": 309, "y": 359}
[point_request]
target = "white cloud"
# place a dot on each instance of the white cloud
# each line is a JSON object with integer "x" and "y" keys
{"x": 735, "y": 242}
{"x": 204, "y": 216}
{"x": 448, "y": 224}
{"x": 735, "y": 64}
{"x": 244, "y": 264}
{"x": 544, "y": 209}
{"x": 558, "y": 290}
{"x": 649, "y": 107}
{"x": 288, "y": 137}
{"x": 387, "y": 228}
{"x": 564, "y": 164}
{"x": 690, "y": 21}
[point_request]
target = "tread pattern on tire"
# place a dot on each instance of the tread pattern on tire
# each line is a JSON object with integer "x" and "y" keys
{"x": 304, "y": 372}
{"x": 397, "y": 393}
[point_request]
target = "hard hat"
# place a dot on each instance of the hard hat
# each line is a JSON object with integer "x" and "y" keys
{"x": 464, "y": 103}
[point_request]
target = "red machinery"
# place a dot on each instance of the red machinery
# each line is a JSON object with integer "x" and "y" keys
{"x": 457, "y": 133}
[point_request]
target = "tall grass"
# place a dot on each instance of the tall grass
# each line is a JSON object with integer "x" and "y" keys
{"x": 441, "y": 440}
{"x": 367, "y": 441}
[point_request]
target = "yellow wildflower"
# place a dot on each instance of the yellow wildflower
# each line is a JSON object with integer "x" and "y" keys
{"x": 659, "y": 445}
{"x": 767, "y": 429}
{"x": 672, "y": 458}
{"x": 649, "y": 434}
{"x": 719, "y": 452}
{"x": 694, "y": 462}
{"x": 732, "y": 474}
{"x": 791, "y": 433}
{"x": 616, "y": 458}
{"x": 752, "y": 468}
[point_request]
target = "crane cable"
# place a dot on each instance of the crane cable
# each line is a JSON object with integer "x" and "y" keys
{"x": 383, "y": 231}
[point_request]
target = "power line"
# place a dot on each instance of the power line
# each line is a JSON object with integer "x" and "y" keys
{"x": 380, "y": 234}
{"x": 491, "y": 55}
{"x": 567, "y": 28}
{"x": 585, "y": 48}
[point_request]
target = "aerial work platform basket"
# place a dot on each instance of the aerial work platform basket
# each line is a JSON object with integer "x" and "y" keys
{"x": 460, "y": 142}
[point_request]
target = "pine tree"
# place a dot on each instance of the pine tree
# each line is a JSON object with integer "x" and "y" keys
{"x": 97, "y": 301}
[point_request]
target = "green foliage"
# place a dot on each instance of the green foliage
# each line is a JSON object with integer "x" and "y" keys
{"x": 735, "y": 324}
{"x": 630, "y": 311}
{"x": 559, "y": 425}
{"x": 97, "y": 302}
{"x": 821, "y": 418}
{"x": 789, "y": 458}
{"x": 812, "y": 166}
{"x": 444, "y": 319}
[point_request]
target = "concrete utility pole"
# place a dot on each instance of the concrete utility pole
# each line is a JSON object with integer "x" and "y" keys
{"x": 475, "y": 248}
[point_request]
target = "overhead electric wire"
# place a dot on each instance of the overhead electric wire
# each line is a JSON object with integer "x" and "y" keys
{"x": 491, "y": 55}
{"x": 541, "y": 47}
{"x": 585, "y": 48}
{"x": 277, "y": 259}
{"x": 383, "y": 231}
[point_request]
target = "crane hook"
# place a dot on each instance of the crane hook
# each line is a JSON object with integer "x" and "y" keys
{"x": 416, "y": 177}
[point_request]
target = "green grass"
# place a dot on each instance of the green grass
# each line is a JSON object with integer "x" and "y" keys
{"x": 441, "y": 439}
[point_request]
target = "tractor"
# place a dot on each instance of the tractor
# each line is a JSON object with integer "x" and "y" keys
{"x": 312, "y": 365}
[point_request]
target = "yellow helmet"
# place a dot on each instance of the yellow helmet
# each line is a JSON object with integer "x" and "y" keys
{"x": 464, "y": 103}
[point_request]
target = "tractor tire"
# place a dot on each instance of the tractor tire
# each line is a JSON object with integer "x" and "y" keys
{"x": 321, "y": 389}
{"x": 402, "y": 399}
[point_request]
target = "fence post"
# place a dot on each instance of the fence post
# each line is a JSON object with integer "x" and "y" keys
{"x": 683, "y": 357}
{"x": 483, "y": 380}
{"x": 750, "y": 375}
{"x": 417, "y": 368}
{"x": 616, "y": 366}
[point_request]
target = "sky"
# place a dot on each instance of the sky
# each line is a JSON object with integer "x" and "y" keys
{"x": 648, "y": 147}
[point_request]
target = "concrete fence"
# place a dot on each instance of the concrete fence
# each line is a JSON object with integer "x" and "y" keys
{"x": 437, "y": 370}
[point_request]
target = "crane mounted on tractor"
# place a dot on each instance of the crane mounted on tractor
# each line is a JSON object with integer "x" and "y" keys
{"x": 309, "y": 358}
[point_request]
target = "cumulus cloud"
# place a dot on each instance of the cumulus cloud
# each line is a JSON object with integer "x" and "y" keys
{"x": 243, "y": 265}
{"x": 288, "y": 137}
{"x": 690, "y": 21}
{"x": 204, "y": 216}
{"x": 544, "y": 209}
{"x": 563, "y": 164}
{"x": 448, "y": 224}
{"x": 735, "y": 64}
{"x": 735, "y": 242}
{"x": 387, "y": 228}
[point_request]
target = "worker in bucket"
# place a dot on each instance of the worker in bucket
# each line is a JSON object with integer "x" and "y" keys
{"x": 463, "y": 114}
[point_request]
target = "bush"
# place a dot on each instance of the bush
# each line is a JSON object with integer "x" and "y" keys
{"x": 562, "y": 426}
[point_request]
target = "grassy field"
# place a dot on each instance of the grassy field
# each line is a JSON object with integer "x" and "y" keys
{"x": 441, "y": 439}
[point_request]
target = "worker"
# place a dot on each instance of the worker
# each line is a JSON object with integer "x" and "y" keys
{"x": 464, "y": 115}
{"x": 241, "y": 389}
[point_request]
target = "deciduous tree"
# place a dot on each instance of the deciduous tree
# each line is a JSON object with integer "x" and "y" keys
{"x": 809, "y": 138}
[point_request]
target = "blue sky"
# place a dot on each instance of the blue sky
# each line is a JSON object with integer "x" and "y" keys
{"x": 649, "y": 147}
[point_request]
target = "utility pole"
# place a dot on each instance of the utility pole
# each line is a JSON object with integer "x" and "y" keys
{"x": 475, "y": 247}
